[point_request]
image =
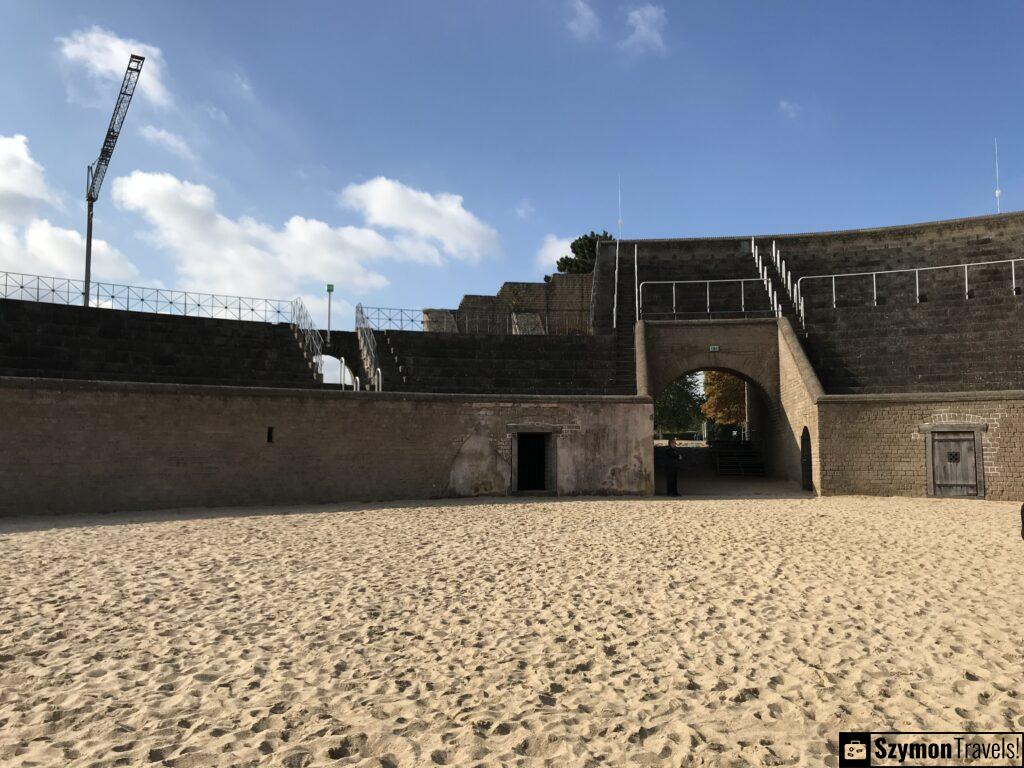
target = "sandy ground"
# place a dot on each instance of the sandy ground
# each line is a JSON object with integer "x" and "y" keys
{"x": 576, "y": 633}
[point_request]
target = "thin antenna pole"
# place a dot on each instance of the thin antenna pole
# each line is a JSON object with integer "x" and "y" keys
{"x": 999, "y": 192}
{"x": 620, "y": 206}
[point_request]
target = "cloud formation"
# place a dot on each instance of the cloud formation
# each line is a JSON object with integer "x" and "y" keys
{"x": 29, "y": 243}
{"x": 583, "y": 21}
{"x": 243, "y": 256}
{"x": 524, "y": 209}
{"x": 647, "y": 25}
{"x": 45, "y": 249}
{"x": 104, "y": 57}
{"x": 789, "y": 108}
{"x": 23, "y": 187}
{"x": 172, "y": 142}
{"x": 428, "y": 226}
{"x": 552, "y": 248}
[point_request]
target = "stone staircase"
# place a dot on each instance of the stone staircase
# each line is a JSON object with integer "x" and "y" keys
{"x": 412, "y": 361}
{"x": 45, "y": 340}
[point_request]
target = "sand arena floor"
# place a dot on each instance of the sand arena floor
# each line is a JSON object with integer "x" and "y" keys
{"x": 575, "y": 633}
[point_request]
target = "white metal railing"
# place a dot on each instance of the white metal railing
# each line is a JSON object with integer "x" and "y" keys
{"x": 615, "y": 299}
{"x": 392, "y": 318}
{"x": 132, "y": 298}
{"x": 368, "y": 347}
{"x": 164, "y": 301}
{"x": 799, "y": 291}
{"x": 765, "y": 274}
{"x": 707, "y": 295}
{"x": 309, "y": 335}
{"x": 502, "y": 321}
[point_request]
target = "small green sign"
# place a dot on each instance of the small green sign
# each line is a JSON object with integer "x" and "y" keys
{"x": 330, "y": 287}
{"x": 713, "y": 348}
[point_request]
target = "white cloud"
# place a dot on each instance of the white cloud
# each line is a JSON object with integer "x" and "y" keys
{"x": 215, "y": 113}
{"x": 428, "y": 222}
{"x": 23, "y": 187}
{"x": 244, "y": 86}
{"x": 172, "y": 142}
{"x": 31, "y": 244}
{"x": 552, "y": 248}
{"x": 584, "y": 22}
{"x": 244, "y": 256}
{"x": 46, "y": 249}
{"x": 104, "y": 56}
{"x": 789, "y": 108}
{"x": 524, "y": 209}
{"x": 647, "y": 24}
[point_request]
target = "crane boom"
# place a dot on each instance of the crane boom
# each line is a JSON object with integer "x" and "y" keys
{"x": 96, "y": 172}
{"x": 124, "y": 99}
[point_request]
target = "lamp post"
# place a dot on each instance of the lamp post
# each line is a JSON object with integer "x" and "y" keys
{"x": 330, "y": 290}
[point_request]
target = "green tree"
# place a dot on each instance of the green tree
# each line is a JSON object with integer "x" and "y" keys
{"x": 584, "y": 251}
{"x": 725, "y": 398}
{"x": 678, "y": 408}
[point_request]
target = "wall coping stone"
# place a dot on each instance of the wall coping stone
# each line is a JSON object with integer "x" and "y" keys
{"x": 832, "y": 232}
{"x": 723, "y": 321}
{"x": 127, "y": 387}
{"x": 923, "y": 397}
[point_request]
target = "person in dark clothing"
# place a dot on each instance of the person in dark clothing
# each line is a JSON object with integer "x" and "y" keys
{"x": 672, "y": 469}
{"x": 1022, "y": 521}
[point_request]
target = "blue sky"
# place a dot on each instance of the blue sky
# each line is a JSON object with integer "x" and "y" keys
{"x": 411, "y": 152}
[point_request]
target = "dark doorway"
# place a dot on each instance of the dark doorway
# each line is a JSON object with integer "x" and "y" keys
{"x": 532, "y": 461}
{"x": 806, "y": 471}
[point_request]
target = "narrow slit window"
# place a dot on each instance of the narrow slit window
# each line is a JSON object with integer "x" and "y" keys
{"x": 270, "y": 434}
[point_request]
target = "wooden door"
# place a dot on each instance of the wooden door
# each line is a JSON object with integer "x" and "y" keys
{"x": 954, "y": 464}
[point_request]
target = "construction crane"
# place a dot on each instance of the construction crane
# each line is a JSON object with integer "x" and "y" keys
{"x": 98, "y": 170}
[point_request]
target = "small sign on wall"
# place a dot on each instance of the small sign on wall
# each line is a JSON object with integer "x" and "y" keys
{"x": 713, "y": 348}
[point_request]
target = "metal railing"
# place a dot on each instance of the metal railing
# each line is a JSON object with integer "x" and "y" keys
{"x": 799, "y": 291}
{"x": 309, "y": 335}
{"x": 390, "y": 318}
{"x": 501, "y": 322}
{"x": 784, "y": 273}
{"x": 368, "y": 344}
{"x": 710, "y": 311}
{"x": 163, "y": 301}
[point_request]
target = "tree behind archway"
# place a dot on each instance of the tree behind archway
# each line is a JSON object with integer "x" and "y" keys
{"x": 725, "y": 398}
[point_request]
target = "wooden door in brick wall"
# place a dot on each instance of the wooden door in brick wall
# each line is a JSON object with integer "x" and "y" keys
{"x": 954, "y": 464}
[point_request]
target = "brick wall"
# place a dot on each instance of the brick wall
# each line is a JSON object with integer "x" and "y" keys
{"x": 799, "y": 389}
{"x": 873, "y": 445}
{"x": 103, "y": 446}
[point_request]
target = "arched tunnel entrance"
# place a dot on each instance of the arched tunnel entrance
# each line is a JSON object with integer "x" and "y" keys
{"x": 711, "y": 426}
{"x": 743, "y": 440}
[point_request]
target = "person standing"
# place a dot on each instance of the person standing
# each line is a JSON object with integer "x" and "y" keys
{"x": 672, "y": 469}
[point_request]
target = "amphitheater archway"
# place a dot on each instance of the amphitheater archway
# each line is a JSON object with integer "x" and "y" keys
{"x": 744, "y": 349}
{"x": 335, "y": 371}
{"x": 710, "y": 449}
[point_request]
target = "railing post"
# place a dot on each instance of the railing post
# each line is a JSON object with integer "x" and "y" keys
{"x": 636, "y": 281}
{"x": 917, "y": 285}
{"x": 707, "y": 286}
{"x": 874, "y": 288}
{"x": 833, "y": 291}
{"x": 1013, "y": 275}
{"x": 743, "y": 296}
{"x": 673, "y": 301}
{"x": 967, "y": 287}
